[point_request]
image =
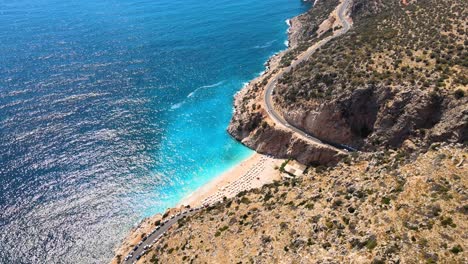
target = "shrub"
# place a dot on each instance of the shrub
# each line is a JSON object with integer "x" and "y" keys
{"x": 371, "y": 243}
{"x": 448, "y": 222}
{"x": 245, "y": 200}
{"x": 283, "y": 225}
{"x": 456, "y": 249}
{"x": 385, "y": 200}
{"x": 459, "y": 93}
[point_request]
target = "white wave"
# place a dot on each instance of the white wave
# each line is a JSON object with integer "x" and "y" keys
{"x": 204, "y": 87}
{"x": 286, "y": 43}
{"x": 177, "y": 106}
{"x": 266, "y": 45}
{"x": 288, "y": 22}
{"x": 213, "y": 85}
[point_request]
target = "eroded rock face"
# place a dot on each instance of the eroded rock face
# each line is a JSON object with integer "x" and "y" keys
{"x": 342, "y": 94}
{"x": 346, "y": 120}
{"x": 365, "y": 118}
{"x": 249, "y": 127}
{"x": 384, "y": 116}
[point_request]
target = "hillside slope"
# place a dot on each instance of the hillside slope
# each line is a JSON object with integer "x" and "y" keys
{"x": 395, "y": 87}
{"x": 386, "y": 207}
{"x": 399, "y": 74}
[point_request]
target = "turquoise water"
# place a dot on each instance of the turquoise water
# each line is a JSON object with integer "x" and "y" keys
{"x": 113, "y": 110}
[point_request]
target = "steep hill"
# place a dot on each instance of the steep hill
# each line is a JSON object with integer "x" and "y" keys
{"x": 385, "y": 207}
{"x": 395, "y": 87}
{"x": 399, "y": 74}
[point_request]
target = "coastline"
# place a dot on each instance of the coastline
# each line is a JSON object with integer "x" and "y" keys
{"x": 219, "y": 184}
{"x": 253, "y": 172}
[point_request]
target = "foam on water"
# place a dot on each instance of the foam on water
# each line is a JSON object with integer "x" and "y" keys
{"x": 204, "y": 87}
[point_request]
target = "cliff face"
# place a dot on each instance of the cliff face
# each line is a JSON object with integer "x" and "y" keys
{"x": 387, "y": 81}
{"x": 283, "y": 144}
{"x": 374, "y": 116}
{"x": 250, "y": 124}
{"x": 396, "y": 80}
{"x": 251, "y": 129}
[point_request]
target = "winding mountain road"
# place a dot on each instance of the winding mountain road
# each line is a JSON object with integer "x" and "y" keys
{"x": 156, "y": 234}
{"x": 149, "y": 240}
{"x": 273, "y": 114}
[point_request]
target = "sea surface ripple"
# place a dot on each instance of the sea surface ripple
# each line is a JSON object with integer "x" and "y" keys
{"x": 114, "y": 110}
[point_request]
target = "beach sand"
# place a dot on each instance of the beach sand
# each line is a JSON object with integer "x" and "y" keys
{"x": 254, "y": 172}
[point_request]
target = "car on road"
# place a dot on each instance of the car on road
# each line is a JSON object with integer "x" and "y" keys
{"x": 135, "y": 248}
{"x": 138, "y": 257}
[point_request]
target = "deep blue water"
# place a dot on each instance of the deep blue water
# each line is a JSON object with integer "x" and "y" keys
{"x": 113, "y": 110}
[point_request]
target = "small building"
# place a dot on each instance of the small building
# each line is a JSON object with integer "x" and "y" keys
{"x": 295, "y": 168}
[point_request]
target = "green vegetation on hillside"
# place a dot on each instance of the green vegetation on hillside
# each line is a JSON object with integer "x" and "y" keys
{"x": 421, "y": 45}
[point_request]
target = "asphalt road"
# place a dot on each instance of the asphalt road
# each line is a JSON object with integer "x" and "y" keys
{"x": 273, "y": 114}
{"x": 153, "y": 237}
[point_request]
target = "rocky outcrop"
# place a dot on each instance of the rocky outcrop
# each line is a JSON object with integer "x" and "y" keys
{"x": 250, "y": 127}
{"x": 376, "y": 116}
{"x": 250, "y": 124}
{"x": 359, "y": 92}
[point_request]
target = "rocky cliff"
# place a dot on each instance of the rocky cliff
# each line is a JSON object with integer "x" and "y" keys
{"x": 371, "y": 117}
{"x": 394, "y": 86}
{"x": 398, "y": 75}
{"x": 250, "y": 124}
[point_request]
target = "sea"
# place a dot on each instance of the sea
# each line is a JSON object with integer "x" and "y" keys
{"x": 114, "y": 110}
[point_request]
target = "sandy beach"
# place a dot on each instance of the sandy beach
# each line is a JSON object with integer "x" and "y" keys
{"x": 254, "y": 172}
